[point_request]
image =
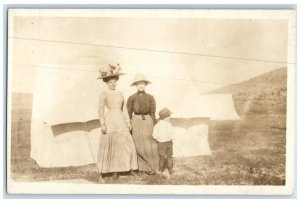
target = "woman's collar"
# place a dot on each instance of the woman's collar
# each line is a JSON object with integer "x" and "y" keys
{"x": 141, "y": 92}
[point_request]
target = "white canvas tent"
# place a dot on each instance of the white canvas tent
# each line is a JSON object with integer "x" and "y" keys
{"x": 190, "y": 137}
{"x": 64, "y": 129}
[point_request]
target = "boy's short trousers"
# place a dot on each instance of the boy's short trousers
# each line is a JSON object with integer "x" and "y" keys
{"x": 165, "y": 148}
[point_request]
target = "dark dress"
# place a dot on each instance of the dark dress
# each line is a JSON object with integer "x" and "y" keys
{"x": 141, "y": 108}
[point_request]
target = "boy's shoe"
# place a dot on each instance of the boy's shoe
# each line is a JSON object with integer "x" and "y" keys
{"x": 160, "y": 174}
{"x": 115, "y": 176}
{"x": 167, "y": 175}
{"x": 101, "y": 180}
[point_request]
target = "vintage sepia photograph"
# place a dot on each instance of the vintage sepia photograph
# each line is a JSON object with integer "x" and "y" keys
{"x": 141, "y": 101}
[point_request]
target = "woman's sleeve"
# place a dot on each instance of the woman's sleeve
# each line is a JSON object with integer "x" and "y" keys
{"x": 129, "y": 107}
{"x": 101, "y": 108}
{"x": 125, "y": 111}
{"x": 153, "y": 109}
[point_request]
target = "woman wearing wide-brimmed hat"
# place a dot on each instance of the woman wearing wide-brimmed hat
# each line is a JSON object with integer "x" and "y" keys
{"x": 141, "y": 107}
{"x": 117, "y": 152}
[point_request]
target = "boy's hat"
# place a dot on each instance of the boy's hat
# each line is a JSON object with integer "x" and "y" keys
{"x": 164, "y": 113}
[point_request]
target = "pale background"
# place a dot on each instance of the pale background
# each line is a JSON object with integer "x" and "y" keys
{"x": 262, "y": 40}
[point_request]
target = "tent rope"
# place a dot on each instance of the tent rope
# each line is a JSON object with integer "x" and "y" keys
{"x": 150, "y": 50}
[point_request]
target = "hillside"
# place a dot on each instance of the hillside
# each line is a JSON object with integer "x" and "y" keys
{"x": 264, "y": 94}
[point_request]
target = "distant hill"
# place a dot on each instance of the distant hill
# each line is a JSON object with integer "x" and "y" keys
{"x": 264, "y": 94}
{"x": 272, "y": 80}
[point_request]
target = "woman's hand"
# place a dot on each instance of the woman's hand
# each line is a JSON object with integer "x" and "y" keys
{"x": 129, "y": 126}
{"x": 103, "y": 129}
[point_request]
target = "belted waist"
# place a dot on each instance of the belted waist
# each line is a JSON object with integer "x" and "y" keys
{"x": 141, "y": 114}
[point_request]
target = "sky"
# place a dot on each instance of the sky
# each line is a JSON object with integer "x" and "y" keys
{"x": 259, "y": 39}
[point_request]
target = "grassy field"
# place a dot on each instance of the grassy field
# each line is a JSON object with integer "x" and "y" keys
{"x": 241, "y": 155}
{"x": 250, "y": 151}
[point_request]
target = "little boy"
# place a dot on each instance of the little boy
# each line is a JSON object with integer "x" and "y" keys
{"x": 162, "y": 133}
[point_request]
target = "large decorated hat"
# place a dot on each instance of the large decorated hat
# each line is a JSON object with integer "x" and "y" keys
{"x": 110, "y": 71}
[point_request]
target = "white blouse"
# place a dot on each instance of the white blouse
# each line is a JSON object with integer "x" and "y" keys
{"x": 163, "y": 131}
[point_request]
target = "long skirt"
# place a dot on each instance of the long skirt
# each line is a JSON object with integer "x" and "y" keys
{"x": 117, "y": 152}
{"x": 146, "y": 146}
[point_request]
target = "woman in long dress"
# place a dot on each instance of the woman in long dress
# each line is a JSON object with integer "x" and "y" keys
{"x": 141, "y": 108}
{"x": 117, "y": 152}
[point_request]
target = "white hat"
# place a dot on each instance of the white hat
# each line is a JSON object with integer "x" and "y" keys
{"x": 138, "y": 78}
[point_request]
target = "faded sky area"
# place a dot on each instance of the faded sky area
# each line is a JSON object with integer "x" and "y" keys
{"x": 224, "y": 40}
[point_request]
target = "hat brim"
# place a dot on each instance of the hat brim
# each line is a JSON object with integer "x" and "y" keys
{"x": 165, "y": 116}
{"x": 146, "y": 81}
{"x": 112, "y": 75}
